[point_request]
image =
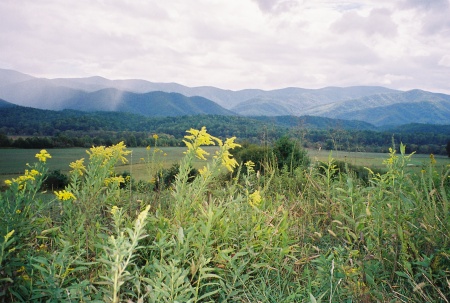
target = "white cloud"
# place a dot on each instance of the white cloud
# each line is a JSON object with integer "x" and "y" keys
{"x": 232, "y": 44}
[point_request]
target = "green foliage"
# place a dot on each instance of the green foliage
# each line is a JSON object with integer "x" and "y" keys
{"x": 289, "y": 153}
{"x": 285, "y": 152}
{"x": 70, "y": 128}
{"x": 297, "y": 233}
{"x": 259, "y": 155}
{"x": 55, "y": 180}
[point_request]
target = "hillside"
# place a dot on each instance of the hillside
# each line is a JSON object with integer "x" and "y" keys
{"x": 147, "y": 104}
{"x": 311, "y": 122}
{"x": 5, "y": 104}
{"x": 379, "y": 106}
{"x": 391, "y": 109}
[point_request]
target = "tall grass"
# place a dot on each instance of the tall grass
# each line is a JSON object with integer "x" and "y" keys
{"x": 230, "y": 234}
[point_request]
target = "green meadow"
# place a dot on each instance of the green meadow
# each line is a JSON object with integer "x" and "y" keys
{"x": 13, "y": 161}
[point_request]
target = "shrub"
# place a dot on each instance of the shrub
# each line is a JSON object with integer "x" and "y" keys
{"x": 289, "y": 152}
{"x": 55, "y": 180}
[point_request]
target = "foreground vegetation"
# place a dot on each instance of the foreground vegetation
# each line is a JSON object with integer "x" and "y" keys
{"x": 276, "y": 229}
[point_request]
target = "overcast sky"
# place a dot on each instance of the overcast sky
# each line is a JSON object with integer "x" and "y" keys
{"x": 233, "y": 44}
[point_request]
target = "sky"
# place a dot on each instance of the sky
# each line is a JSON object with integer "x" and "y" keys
{"x": 232, "y": 44}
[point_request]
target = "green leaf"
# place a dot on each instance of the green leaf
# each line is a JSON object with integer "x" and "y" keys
{"x": 402, "y": 274}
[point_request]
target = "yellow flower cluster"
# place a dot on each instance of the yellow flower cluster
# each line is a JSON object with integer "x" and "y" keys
{"x": 432, "y": 159}
{"x": 114, "y": 210}
{"x": 64, "y": 195}
{"x": 255, "y": 199}
{"x": 43, "y": 155}
{"x": 107, "y": 153}
{"x": 198, "y": 138}
{"x": 250, "y": 165}
{"x": 78, "y": 167}
{"x": 227, "y": 160}
{"x": 22, "y": 180}
{"x": 203, "y": 171}
{"x": 114, "y": 180}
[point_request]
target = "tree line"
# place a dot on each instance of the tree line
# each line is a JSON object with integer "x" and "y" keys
{"x": 34, "y": 128}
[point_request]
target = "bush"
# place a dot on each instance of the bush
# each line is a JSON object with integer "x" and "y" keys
{"x": 290, "y": 153}
{"x": 55, "y": 180}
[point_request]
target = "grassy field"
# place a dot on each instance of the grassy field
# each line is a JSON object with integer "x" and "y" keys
{"x": 13, "y": 161}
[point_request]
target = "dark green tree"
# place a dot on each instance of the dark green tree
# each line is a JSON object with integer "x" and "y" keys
{"x": 289, "y": 152}
{"x": 259, "y": 155}
{"x": 447, "y": 148}
{"x": 4, "y": 140}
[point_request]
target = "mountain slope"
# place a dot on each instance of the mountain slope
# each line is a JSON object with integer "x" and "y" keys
{"x": 372, "y": 104}
{"x": 37, "y": 93}
{"x": 6, "y": 104}
{"x": 148, "y": 104}
{"x": 296, "y": 101}
{"x": 392, "y": 109}
{"x": 8, "y": 77}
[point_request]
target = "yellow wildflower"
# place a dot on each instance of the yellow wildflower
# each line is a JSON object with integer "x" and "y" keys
{"x": 201, "y": 153}
{"x": 155, "y": 136}
{"x": 8, "y": 235}
{"x": 432, "y": 159}
{"x": 230, "y": 144}
{"x": 228, "y": 162}
{"x": 43, "y": 155}
{"x": 64, "y": 195}
{"x": 114, "y": 180}
{"x": 18, "y": 211}
{"x": 227, "y": 158}
{"x": 78, "y": 166}
{"x": 198, "y": 138}
{"x": 34, "y": 172}
{"x": 254, "y": 199}
{"x": 106, "y": 153}
{"x": 120, "y": 148}
{"x": 8, "y": 182}
{"x": 114, "y": 210}
{"x": 148, "y": 147}
{"x": 249, "y": 164}
{"x": 203, "y": 171}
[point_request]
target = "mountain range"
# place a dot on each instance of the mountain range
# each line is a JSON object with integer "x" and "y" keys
{"x": 372, "y": 104}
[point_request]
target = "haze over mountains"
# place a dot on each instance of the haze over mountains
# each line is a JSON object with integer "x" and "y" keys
{"x": 372, "y": 104}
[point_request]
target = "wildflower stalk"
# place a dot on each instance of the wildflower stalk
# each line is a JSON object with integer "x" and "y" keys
{"x": 120, "y": 252}
{"x": 188, "y": 196}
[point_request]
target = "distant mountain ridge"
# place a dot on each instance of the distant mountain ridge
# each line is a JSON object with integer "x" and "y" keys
{"x": 371, "y": 104}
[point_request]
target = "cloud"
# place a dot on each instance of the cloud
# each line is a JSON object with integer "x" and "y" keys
{"x": 277, "y": 6}
{"x": 445, "y": 61}
{"x": 379, "y": 21}
{"x": 426, "y": 4}
{"x": 231, "y": 44}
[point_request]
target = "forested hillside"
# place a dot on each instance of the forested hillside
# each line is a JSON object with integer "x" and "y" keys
{"x": 35, "y": 128}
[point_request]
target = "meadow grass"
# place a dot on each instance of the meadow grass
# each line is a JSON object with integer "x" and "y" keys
{"x": 13, "y": 161}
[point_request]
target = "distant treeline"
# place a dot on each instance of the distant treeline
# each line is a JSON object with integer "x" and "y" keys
{"x": 34, "y": 128}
